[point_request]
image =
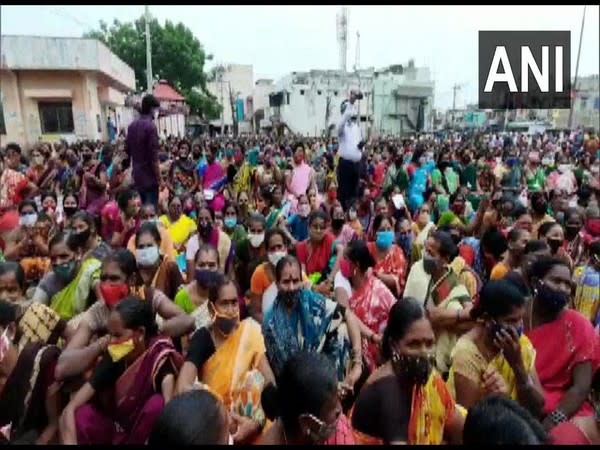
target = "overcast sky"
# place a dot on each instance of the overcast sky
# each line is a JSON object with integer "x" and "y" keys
{"x": 281, "y": 39}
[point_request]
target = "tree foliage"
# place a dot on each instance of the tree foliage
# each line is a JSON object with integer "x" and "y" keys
{"x": 177, "y": 56}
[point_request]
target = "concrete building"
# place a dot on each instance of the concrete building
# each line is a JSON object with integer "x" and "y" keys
{"x": 233, "y": 81}
{"x": 173, "y": 110}
{"x": 260, "y": 103}
{"x": 586, "y": 106}
{"x": 59, "y": 88}
{"x": 397, "y": 100}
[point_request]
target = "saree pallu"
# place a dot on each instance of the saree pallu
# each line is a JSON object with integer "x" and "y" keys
{"x": 232, "y": 373}
{"x": 343, "y": 433}
{"x": 73, "y": 298}
{"x": 180, "y": 230}
{"x": 371, "y": 303}
{"x": 587, "y": 293}
{"x": 315, "y": 324}
{"x": 137, "y": 401}
{"x": 23, "y": 399}
{"x": 573, "y": 341}
{"x": 393, "y": 264}
{"x": 39, "y": 324}
{"x": 432, "y": 407}
{"x": 471, "y": 364}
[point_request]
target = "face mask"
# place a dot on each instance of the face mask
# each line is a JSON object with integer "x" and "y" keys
{"x": 230, "y": 222}
{"x": 28, "y": 220}
{"x": 352, "y": 214}
{"x": 571, "y": 231}
{"x": 289, "y": 298}
{"x": 65, "y": 272}
{"x": 304, "y": 210}
{"x": 416, "y": 369}
{"x": 113, "y": 293}
{"x": 205, "y": 277}
{"x": 337, "y": 224}
{"x": 384, "y": 239}
{"x": 147, "y": 257}
{"x": 332, "y": 194}
{"x": 225, "y": 323}
{"x": 70, "y": 210}
{"x": 553, "y": 300}
{"x": 120, "y": 350}
{"x": 82, "y": 237}
{"x": 38, "y": 160}
{"x": 256, "y": 239}
{"x": 87, "y": 156}
{"x": 346, "y": 267}
{"x": 205, "y": 230}
{"x": 562, "y": 168}
{"x": 539, "y": 207}
{"x": 275, "y": 257}
{"x": 554, "y": 244}
{"x": 430, "y": 264}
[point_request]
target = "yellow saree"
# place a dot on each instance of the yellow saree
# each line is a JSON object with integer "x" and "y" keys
{"x": 471, "y": 364}
{"x": 231, "y": 372}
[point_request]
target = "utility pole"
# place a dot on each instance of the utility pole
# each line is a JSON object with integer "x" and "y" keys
{"x": 220, "y": 70}
{"x": 148, "y": 53}
{"x": 574, "y": 89}
{"x": 455, "y": 88}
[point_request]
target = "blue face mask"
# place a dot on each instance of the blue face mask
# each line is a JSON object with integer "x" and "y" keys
{"x": 384, "y": 239}
{"x": 230, "y": 222}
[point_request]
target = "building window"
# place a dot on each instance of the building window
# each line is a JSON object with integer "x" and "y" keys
{"x": 318, "y": 92}
{"x": 301, "y": 91}
{"x": 56, "y": 117}
{"x": 2, "y": 124}
{"x": 335, "y": 93}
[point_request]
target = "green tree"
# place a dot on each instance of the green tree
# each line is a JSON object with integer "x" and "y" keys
{"x": 177, "y": 56}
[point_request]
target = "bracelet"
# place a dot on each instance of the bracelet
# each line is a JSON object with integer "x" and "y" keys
{"x": 557, "y": 416}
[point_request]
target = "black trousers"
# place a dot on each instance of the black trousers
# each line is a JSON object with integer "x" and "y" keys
{"x": 348, "y": 176}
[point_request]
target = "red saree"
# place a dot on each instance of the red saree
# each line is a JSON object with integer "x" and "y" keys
{"x": 394, "y": 263}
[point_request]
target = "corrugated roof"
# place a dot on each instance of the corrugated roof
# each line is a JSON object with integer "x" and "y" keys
{"x": 163, "y": 91}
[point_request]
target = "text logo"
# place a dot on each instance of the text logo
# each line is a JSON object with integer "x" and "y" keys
{"x": 524, "y": 69}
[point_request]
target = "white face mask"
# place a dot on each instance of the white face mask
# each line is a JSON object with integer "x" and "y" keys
{"x": 275, "y": 257}
{"x": 28, "y": 219}
{"x": 398, "y": 200}
{"x": 352, "y": 214}
{"x": 256, "y": 239}
{"x": 304, "y": 210}
{"x": 562, "y": 168}
{"x": 230, "y": 440}
{"x": 147, "y": 257}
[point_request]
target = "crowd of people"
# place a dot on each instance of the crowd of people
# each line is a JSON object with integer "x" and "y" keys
{"x": 262, "y": 289}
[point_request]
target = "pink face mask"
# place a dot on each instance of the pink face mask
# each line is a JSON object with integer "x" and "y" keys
{"x": 346, "y": 267}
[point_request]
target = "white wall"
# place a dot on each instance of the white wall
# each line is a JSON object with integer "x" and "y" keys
{"x": 241, "y": 79}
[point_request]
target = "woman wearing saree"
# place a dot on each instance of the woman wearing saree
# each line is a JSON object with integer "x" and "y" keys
{"x": 73, "y": 283}
{"x": 421, "y": 228}
{"x": 405, "y": 401}
{"x": 390, "y": 262}
{"x": 228, "y": 356}
{"x": 179, "y": 226}
{"x": 566, "y": 367}
{"x": 301, "y": 178}
{"x": 279, "y": 209}
{"x": 495, "y": 357}
{"x": 371, "y": 300}
{"x": 94, "y": 183}
{"x": 209, "y": 234}
{"x": 117, "y": 281}
{"x": 85, "y": 231}
{"x": 302, "y": 319}
{"x": 232, "y": 225}
{"x": 193, "y": 297}
{"x": 131, "y": 384}
{"x": 183, "y": 177}
{"x": 213, "y": 181}
{"x": 29, "y": 394}
{"x": 155, "y": 271}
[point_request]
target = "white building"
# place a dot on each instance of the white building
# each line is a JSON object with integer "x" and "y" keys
{"x": 236, "y": 80}
{"x": 397, "y": 100}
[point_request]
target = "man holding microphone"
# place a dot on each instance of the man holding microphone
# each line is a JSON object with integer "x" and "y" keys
{"x": 350, "y": 151}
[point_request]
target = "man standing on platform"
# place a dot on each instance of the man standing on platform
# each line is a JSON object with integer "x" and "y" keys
{"x": 350, "y": 151}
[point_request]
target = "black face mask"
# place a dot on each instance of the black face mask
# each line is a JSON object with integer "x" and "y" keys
{"x": 205, "y": 230}
{"x": 337, "y": 224}
{"x": 552, "y": 300}
{"x": 554, "y": 245}
{"x": 82, "y": 237}
{"x": 539, "y": 207}
{"x": 415, "y": 369}
{"x": 571, "y": 231}
{"x": 430, "y": 264}
{"x": 289, "y": 298}
{"x": 70, "y": 210}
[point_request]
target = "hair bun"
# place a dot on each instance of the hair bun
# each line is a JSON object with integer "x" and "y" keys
{"x": 270, "y": 401}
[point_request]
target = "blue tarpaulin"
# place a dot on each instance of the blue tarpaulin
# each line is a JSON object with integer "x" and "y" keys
{"x": 239, "y": 109}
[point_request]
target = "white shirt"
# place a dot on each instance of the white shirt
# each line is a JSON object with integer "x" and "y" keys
{"x": 340, "y": 281}
{"x": 349, "y": 135}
